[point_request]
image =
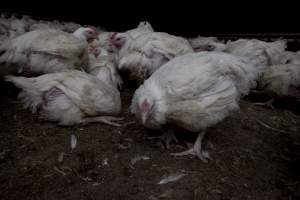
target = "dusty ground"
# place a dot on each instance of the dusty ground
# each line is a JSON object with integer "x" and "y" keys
{"x": 255, "y": 155}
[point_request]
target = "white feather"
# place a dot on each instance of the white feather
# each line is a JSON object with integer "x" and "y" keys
{"x": 73, "y": 141}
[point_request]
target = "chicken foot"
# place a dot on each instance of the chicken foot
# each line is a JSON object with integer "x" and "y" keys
{"x": 103, "y": 119}
{"x": 196, "y": 150}
{"x": 268, "y": 104}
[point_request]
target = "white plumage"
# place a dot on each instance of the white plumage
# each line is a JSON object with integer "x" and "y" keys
{"x": 104, "y": 41}
{"x": 149, "y": 51}
{"x": 194, "y": 91}
{"x": 44, "y": 51}
{"x": 69, "y": 97}
{"x": 261, "y": 53}
{"x": 113, "y": 42}
{"x": 290, "y": 57}
{"x": 100, "y": 58}
{"x": 142, "y": 28}
{"x": 280, "y": 80}
{"x": 13, "y": 27}
{"x": 201, "y": 43}
{"x": 122, "y": 41}
{"x": 68, "y": 27}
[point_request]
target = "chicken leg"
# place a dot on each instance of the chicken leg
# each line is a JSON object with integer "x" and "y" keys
{"x": 196, "y": 150}
{"x": 268, "y": 104}
{"x": 103, "y": 119}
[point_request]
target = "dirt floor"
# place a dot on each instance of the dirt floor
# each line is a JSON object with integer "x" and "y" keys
{"x": 255, "y": 155}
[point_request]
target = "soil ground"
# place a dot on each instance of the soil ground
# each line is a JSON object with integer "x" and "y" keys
{"x": 255, "y": 155}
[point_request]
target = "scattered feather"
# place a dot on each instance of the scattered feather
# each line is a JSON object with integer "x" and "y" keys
{"x": 134, "y": 160}
{"x": 206, "y": 154}
{"x": 61, "y": 157}
{"x": 96, "y": 184}
{"x": 105, "y": 162}
{"x": 171, "y": 178}
{"x": 59, "y": 171}
{"x": 122, "y": 146}
{"x": 73, "y": 141}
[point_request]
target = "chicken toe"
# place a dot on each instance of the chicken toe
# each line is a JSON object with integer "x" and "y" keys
{"x": 268, "y": 104}
{"x": 196, "y": 150}
{"x": 103, "y": 119}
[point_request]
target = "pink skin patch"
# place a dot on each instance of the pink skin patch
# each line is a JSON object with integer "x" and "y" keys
{"x": 145, "y": 107}
{"x": 51, "y": 95}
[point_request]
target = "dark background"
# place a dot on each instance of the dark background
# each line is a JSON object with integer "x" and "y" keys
{"x": 185, "y": 18}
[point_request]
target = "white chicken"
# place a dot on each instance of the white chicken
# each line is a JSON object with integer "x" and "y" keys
{"x": 13, "y": 27}
{"x": 100, "y": 58}
{"x": 261, "y": 53}
{"x": 70, "y": 27}
{"x": 143, "y": 27}
{"x": 290, "y": 57}
{"x": 194, "y": 91}
{"x": 70, "y": 98}
{"x": 206, "y": 44}
{"x": 280, "y": 81}
{"x": 104, "y": 41}
{"x": 121, "y": 41}
{"x": 148, "y": 52}
{"x": 45, "y": 51}
{"x": 43, "y": 24}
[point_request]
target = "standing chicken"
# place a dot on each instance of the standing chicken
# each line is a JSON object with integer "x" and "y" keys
{"x": 194, "y": 91}
{"x": 69, "y": 98}
{"x": 45, "y": 51}
{"x": 150, "y": 51}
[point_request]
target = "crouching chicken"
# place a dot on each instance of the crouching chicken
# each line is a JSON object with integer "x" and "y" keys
{"x": 69, "y": 98}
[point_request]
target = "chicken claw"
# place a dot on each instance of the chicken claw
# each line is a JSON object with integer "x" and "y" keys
{"x": 268, "y": 104}
{"x": 104, "y": 119}
{"x": 196, "y": 150}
